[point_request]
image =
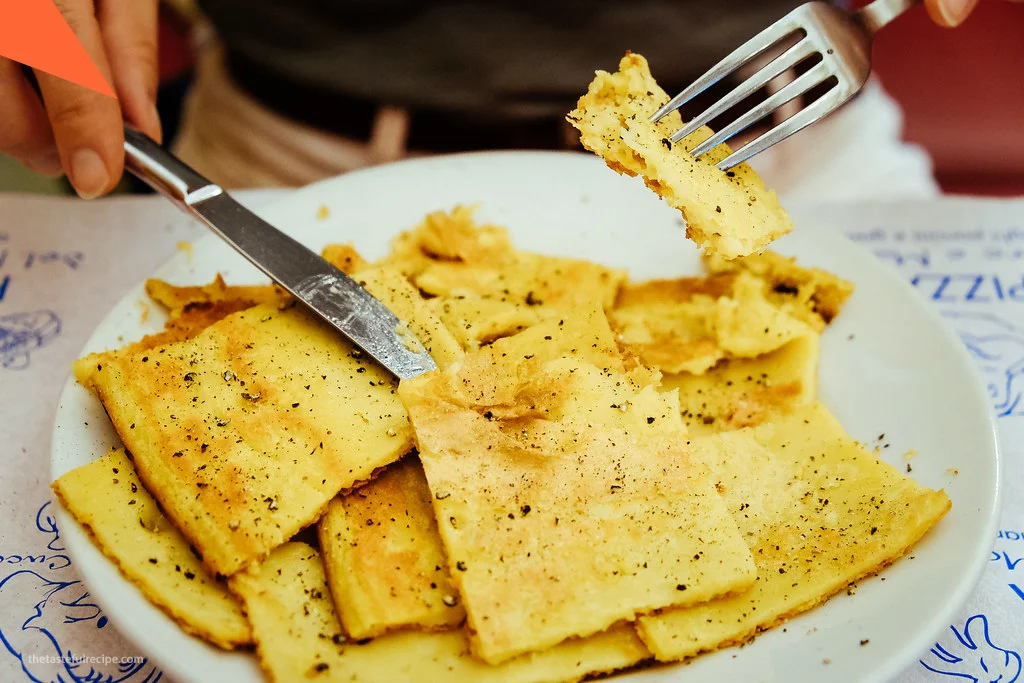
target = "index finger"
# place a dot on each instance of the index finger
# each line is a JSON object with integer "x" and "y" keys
{"x": 87, "y": 126}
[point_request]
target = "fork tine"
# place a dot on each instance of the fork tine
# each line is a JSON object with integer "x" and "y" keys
{"x": 800, "y": 85}
{"x": 786, "y": 60}
{"x": 741, "y": 55}
{"x": 817, "y": 110}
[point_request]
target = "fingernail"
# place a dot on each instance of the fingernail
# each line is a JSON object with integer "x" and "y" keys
{"x": 88, "y": 174}
{"x": 47, "y": 163}
{"x": 955, "y": 11}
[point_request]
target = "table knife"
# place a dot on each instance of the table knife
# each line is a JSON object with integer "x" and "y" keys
{"x": 327, "y": 291}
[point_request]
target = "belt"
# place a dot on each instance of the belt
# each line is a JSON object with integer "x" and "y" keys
{"x": 429, "y": 130}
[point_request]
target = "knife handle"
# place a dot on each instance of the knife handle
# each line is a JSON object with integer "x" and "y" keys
{"x": 163, "y": 171}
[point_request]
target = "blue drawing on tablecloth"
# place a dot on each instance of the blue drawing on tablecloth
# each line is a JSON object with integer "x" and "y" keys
{"x": 22, "y": 333}
{"x": 974, "y": 656}
{"x": 46, "y": 608}
{"x": 998, "y": 348}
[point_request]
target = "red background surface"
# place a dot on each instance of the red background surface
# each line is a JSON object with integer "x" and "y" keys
{"x": 962, "y": 91}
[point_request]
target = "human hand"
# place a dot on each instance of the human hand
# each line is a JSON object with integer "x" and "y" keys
{"x": 76, "y": 130}
{"x": 951, "y": 13}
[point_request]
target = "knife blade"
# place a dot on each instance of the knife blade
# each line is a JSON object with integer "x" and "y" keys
{"x": 328, "y": 292}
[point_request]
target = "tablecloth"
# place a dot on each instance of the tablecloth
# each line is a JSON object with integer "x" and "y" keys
{"x": 65, "y": 263}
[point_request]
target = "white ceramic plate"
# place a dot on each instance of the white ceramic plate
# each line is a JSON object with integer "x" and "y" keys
{"x": 888, "y": 366}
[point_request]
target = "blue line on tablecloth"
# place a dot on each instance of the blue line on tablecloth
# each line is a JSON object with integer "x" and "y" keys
{"x": 973, "y": 655}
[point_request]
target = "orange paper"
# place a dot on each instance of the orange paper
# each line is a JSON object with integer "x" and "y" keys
{"x": 34, "y": 33}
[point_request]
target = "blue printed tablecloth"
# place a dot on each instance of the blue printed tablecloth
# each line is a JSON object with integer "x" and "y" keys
{"x": 64, "y": 264}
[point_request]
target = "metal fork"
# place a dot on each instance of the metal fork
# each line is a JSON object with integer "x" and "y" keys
{"x": 842, "y": 39}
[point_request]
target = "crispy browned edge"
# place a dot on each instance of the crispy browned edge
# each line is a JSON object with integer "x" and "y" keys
{"x": 591, "y": 675}
{"x": 748, "y": 636}
{"x": 167, "y": 609}
{"x": 122, "y": 431}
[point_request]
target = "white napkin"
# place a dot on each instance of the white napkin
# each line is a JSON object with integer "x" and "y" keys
{"x": 64, "y": 263}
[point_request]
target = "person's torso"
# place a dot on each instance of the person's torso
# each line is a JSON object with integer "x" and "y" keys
{"x": 514, "y": 59}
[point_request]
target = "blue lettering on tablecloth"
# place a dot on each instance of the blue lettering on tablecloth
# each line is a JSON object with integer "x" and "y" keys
{"x": 898, "y": 246}
{"x": 948, "y": 235}
{"x": 901, "y": 257}
{"x": 875, "y": 235}
{"x": 46, "y": 608}
{"x": 24, "y": 333}
{"x": 919, "y": 236}
{"x": 27, "y": 559}
{"x": 71, "y": 259}
{"x": 1011, "y": 535}
{"x": 1010, "y": 235}
{"x": 30, "y": 260}
{"x": 973, "y": 655}
{"x": 968, "y": 287}
{"x": 1000, "y": 254}
{"x": 1012, "y": 563}
{"x": 1005, "y": 558}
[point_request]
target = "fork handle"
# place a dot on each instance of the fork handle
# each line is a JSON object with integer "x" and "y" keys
{"x": 880, "y": 12}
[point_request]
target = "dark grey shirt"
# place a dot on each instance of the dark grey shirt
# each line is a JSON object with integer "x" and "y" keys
{"x": 504, "y": 58}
